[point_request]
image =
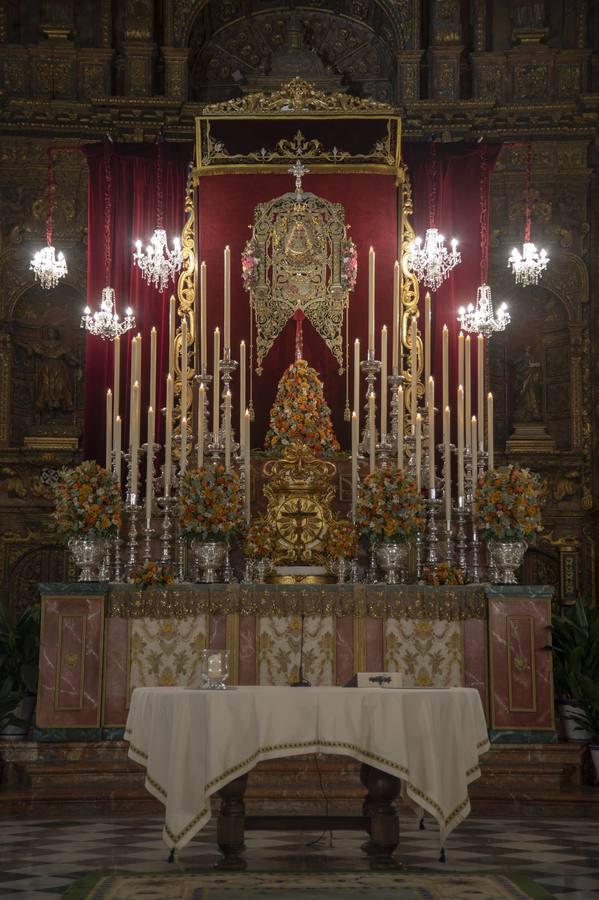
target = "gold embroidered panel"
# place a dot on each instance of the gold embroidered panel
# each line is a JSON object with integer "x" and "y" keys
{"x": 167, "y": 652}
{"x": 299, "y": 239}
{"x": 427, "y": 653}
{"x": 278, "y": 649}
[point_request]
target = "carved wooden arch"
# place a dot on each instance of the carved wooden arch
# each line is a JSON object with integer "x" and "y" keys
{"x": 185, "y": 13}
{"x": 567, "y": 279}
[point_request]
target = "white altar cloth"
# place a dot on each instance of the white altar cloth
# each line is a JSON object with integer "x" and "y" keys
{"x": 193, "y": 742}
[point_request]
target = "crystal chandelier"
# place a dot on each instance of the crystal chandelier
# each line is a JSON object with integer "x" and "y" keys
{"x": 158, "y": 264}
{"x": 105, "y": 322}
{"x": 480, "y": 317}
{"x": 47, "y": 266}
{"x": 432, "y": 262}
{"x": 529, "y": 265}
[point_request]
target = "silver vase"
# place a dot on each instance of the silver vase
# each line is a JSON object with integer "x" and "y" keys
{"x": 393, "y": 560}
{"x": 341, "y": 568}
{"x": 505, "y": 558}
{"x": 207, "y": 558}
{"x": 262, "y": 567}
{"x": 89, "y": 552}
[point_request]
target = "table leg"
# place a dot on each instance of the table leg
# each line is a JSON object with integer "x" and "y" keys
{"x": 231, "y": 821}
{"x": 383, "y": 789}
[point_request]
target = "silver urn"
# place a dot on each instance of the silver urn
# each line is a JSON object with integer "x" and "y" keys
{"x": 207, "y": 558}
{"x": 392, "y": 558}
{"x": 89, "y": 553}
{"x": 505, "y": 557}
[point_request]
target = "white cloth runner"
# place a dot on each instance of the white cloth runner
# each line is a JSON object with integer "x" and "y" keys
{"x": 192, "y": 742}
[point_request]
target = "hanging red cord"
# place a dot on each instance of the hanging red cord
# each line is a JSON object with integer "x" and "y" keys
{"x": 107, "y": 211}
{"x": 528, "y": 195}
{"x": 159, "y": 198}
{"x": 484, "y": 215}
{"x": 432, "y": 200}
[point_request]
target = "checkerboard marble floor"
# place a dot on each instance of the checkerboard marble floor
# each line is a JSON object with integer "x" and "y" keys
{"x": 40, "y": 859}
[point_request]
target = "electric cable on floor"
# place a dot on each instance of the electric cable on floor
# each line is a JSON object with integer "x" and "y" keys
{"x": 326, "y": 809}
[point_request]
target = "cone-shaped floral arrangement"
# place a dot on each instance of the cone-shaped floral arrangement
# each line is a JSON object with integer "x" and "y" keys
{"x": 300, "y": 414}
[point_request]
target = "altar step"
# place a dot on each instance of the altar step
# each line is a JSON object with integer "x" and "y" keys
{"x": 57, "y": 779}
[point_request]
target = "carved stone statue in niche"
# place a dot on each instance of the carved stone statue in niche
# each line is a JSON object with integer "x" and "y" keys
{"x": 528, "y": 388}
{"x": 54, "y": 382}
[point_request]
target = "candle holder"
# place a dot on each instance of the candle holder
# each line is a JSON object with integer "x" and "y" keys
{"x": 354, "y": 571}
{"x": 181, "y": 552}
{"x": 227, "y": 368}
{"x": 474, "y": 570}
{"x": 166, "y": 533}
{"x": 371, "y": 367}
{"x": 461, "y": 544}
{"x": 419, "y": 551}
{"x": 148, "y": 533}
{"x": 206, "y": 380}
{"x": 432, "y": 505}
{"x": 448, "y": 543}
{"x": 104, "y": 571}
{"x": 370, "y": 576}
{"x": 385, "y": 450}
{"x": 228, "y": 570}
{"x": 134, "y": 513}
{"x": 117, "y": 572}
{"x": 467, "y": 478}
{"x": 394, "y": 381}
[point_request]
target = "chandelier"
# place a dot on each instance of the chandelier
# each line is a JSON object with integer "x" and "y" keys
{"x": 47, "y": 266}
{"x": 159, "y": 264}
{"x": 105, "y": 322}
{"x": 529, "y": 265}
{"x": 480, "y": 317}
{"x": 432, "y": 262}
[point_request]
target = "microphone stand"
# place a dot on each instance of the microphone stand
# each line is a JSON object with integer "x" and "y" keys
{"x": 301, "y": 681}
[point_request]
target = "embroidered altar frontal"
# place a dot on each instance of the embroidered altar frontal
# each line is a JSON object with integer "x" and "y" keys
{"x": 101, "y": 641}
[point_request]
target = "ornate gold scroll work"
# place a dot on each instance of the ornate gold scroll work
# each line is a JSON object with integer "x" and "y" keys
{"x": 410, "y": 294}
{"x": 298, "y": 239}
{"x": 297, "y": 96}
{"x": 186, "y": 308}
{"x": 299, "y": 495}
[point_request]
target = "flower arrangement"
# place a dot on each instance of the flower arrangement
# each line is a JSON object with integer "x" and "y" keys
{"x": 389, "y": 509}
{"x": 349, "y": 265}
{"x": 300, "y": 413}
{"x": 342, "y": 540}
{"x": 250, "y": 262}
{"x": 152, "y": 573}
{"x": 508, "y": 504}
{"x": 88, "y": 501}
{"x": 210, "y": 503}
{"x": 259, "y": 543}
{"x": 443, "y": 573}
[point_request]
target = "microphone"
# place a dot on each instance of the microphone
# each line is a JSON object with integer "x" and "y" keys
{"x": 301, "y": 681}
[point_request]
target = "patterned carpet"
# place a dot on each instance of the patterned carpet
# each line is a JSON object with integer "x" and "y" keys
{"x": 42, "y": 859}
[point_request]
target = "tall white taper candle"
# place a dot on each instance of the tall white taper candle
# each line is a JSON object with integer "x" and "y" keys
{"x": 480, "y": 406}
{"x": 183, "y": 457}
{"x": 355, "y": 439}
{"x": 153, "y": 375}
{"x": 168, "y": 436}
{"x": 460, "y": 444}
{"x": 248, "y": 469}
{"x": 228, "y": 431}
{"x": 203, "y": 323}
{"x": 150, "y": 465}
{"x": 418, "y": 451}
{"x": 400, "y": 427}
{"x": 490, "y": 435}
{"x": 447, "y": 463}
{"x": 431, "y": 434}
{"x": 395, "y": 337}
{"x": 383, "y": 382}
{"x": 241, "y": 397}
{"x": 414, "y": 370}
{"x": 227, "y": 310}
{"x": 445, "y": 365}
{"x": 371, "y": 268}
{"x": 118, "y": 431}
{"x": 216, "y": 387}
{"x": 468, "y": 389}
{"x": 372, "y": 431}
{"x": 201, "y": 423}
{"x": 357, "y": 380}
{"x": 427, "y": 337}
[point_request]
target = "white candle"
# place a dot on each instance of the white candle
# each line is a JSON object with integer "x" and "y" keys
{"x": 461, "y": 358}
{"x": 201, "y": 409}
{"x": 371, "y": 265}
{"x": 396, "y": 324}
{"x": 135, "y": 442}
{"x": 153, "y": 375}
{"x": 490, "y": 436}
{"x": 445, "y": 365}
{"x": 184, "y": 367}
{"x": 172, "y": 333}
{"x": 118, "y": 427}
{"x": 468, "y": 394}
{"x": 354, "y": 464}
{"x": 372, "y": 431}
{"x": 431, "y": 433}
{"x": 183, "y": 458}
{"x": 116, "y": 381}
{"x": 414, "y": 370}
{"x": 474, "y": 436}
{"x": 400, "y": 410}
{"x": 168, "y": 437}
{"x": 480, "y": 407}
{"x": 460, "y": 443}
{"x": 131, "y": 383}
{"x": 418, "y": 450}
{"x": 216, "y": 387}
{"x": 108, "y": 452}
{"x": 427, "y": 337}
{"x": 228, "y": 431}
{"x": 203, "y": 324}
{"x": 447, "y": 463}
{"x": 383, "y": 382}
{"x": 357, "y": 380}
{"x": 241, "y": 397}
{"x": 227, "y": 304}
{"x": 248, "y": 471}
{"x": 150, "y": 466}
{"x": 138, "y": 358}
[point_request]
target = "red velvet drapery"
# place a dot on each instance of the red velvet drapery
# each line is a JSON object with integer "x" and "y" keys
{"x": 458, "y": 215}
{"x": 226, "y": 204}
{"x": 133, "y": 201}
